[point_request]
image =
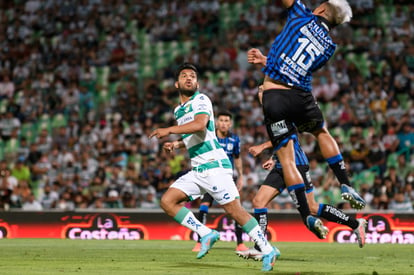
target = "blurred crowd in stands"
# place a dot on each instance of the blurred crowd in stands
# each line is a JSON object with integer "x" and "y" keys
{"x": 83, "y": 82}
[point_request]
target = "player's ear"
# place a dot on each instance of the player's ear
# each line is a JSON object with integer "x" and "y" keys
{"x": 198, "y": 86}
{"x": 176, "y": 84}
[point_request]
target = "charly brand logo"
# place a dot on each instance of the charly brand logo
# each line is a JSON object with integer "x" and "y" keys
{"x": 380, "y": 229}
{"x": 226, "y": 227}
{"x": 104, "y": 227}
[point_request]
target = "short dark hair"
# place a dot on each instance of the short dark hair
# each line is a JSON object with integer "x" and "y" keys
{"x": 225, "y": 113}
{"x": 185, "y": 66}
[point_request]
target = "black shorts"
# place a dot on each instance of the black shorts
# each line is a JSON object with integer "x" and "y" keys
{"x": 288, "y": 111}
{"x": 275, "y": 178}
{"x": 207, "y": 198}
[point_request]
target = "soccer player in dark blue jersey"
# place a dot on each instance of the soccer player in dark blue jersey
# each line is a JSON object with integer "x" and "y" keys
{"x": 274, "y": 184}
{"x": 230, "y": 142}
{"x": 302, "y": 47}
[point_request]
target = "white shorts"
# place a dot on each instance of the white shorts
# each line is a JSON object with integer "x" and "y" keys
{"x": 218, "y": 182}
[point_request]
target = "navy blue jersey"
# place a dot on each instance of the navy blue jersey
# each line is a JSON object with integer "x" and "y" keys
{"x": 302, "y": 47}
{"x": 231, "y": 145}
{"x": 300, "y": 156}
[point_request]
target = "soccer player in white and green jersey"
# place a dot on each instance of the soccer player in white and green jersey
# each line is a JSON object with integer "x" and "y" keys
{"x": 211, "y": 169}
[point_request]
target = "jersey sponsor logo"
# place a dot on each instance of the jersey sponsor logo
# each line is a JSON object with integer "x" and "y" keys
{"x": 290, "y": 68}
{"x": 310, "y": 47}
{"x": 310, "y": 33}
{"x": 279, "y": 128}
{"x": 185, "y": 119}
{"x": 289, "y": 72}
{"x": 316, "y": 32}
{"x": 202, "y": 107}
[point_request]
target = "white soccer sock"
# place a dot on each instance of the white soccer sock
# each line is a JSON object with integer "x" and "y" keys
{"x": 252, "y": 228}
{"x": 186, "y": 218}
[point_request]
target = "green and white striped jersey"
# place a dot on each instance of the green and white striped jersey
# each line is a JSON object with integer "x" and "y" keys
{"x": 203, "y": 148}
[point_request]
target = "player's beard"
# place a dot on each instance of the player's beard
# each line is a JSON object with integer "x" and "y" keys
{"x": 188, "y": 92}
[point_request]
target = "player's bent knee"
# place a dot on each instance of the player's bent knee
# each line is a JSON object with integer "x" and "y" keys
{"x": 232, "y": 208}
{"x": 167, "y": 203}
{"x": 258, "y": 203}
{"x": 164, "y": 204}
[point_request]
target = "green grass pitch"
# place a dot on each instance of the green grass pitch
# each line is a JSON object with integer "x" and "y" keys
{"x": 59, "y": 256}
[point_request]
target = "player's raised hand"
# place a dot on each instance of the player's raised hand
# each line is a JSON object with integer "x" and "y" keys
{"x": 255, "y": 56}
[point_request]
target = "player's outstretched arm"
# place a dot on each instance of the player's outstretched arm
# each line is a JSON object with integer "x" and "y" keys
{"x": 198, "y": 124}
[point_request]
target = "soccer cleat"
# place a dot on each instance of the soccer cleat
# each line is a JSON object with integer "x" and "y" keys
{"x": 207, "y": 242}
{"x": 316, "y": 226}
{"x": 241, "y": 247}
{"x": 197, "y": 247}
{"x": 349, "y": 194}
{"x": 269, "y": 259}
{"x": 360, "y": 232}
{"x": 251, "y": 253}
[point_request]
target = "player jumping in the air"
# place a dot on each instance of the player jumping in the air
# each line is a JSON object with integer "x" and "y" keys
{"x": 302, "y": 47}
